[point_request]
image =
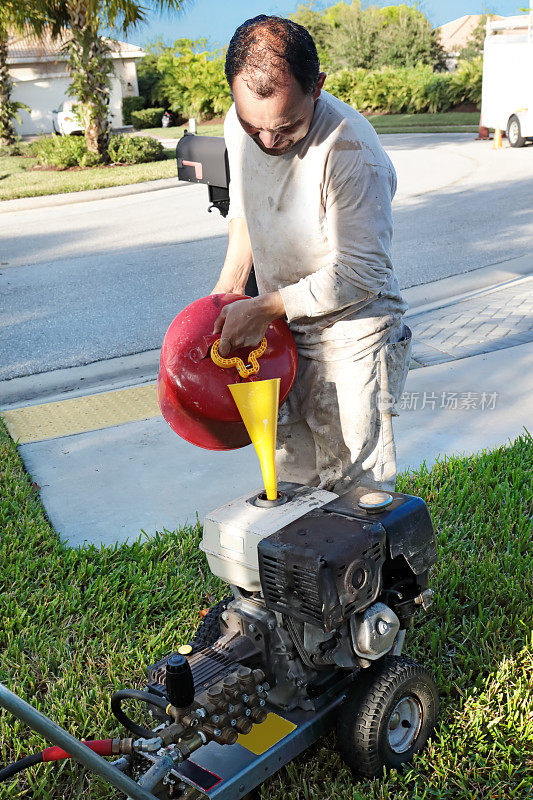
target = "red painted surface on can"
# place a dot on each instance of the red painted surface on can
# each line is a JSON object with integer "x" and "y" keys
{"x": 193, "y": 392}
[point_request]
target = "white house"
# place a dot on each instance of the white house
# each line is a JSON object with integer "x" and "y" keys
{"x": 38, "y": 68}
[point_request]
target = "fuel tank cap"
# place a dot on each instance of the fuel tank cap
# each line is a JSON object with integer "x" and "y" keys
{"x": 374, "y": 501}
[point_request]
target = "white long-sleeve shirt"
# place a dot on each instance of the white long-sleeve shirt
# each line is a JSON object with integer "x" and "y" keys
{"x": 320, "y": 224}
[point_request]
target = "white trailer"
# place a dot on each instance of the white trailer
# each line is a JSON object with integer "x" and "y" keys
{"x": 507, "y": 94}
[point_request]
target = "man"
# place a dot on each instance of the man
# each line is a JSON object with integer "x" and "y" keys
{"x": 310, "y": 205}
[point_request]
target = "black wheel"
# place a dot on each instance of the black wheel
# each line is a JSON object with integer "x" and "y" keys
{"x": 208, "y": 630}
{"x": 387, "y": 717}
{"x": 514, "y": 132}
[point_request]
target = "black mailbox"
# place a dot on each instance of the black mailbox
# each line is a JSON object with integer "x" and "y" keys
{"x": 204, "y": 159}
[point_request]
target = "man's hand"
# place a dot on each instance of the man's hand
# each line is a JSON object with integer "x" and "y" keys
{"x": 243, "y": 323}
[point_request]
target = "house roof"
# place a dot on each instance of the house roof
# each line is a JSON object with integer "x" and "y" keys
{"x": 455, "y": 34}
{"x": 28, "y": 48}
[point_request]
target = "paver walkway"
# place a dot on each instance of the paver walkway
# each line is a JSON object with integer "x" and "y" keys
{"x": 484, "y": 321}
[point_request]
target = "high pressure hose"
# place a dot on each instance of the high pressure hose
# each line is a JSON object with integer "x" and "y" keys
{"x": 135, "y": 694}
{"x": 104, "y": 747}
{"x": 19, "y": 766}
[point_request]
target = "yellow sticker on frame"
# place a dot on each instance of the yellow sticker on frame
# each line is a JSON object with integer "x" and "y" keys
{"x": 262, "y": 737}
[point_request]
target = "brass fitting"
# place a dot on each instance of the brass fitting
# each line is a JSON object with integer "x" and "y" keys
{"x": 231, "y": 686}
{"x": 244, "y": 724}
{"x": 172, "y": 733}
{"x": 217, "y": 696}
{"x": 259, "y": 675}
{"x": 220, "y": 735}
{"x": 258, "y": 715}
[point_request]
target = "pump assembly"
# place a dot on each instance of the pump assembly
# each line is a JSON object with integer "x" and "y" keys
{"x": 321, "y": 592}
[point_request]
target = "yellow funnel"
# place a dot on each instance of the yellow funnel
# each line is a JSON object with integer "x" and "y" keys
{"x": 258, "y": 403}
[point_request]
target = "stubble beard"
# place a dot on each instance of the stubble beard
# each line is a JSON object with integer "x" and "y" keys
{"x": 273, "y": 151}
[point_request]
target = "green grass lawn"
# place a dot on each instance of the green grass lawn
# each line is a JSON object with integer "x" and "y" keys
{"x": 204, "y": 128}
{"x": 79, "y": 624}
{"x": 19, "y": 179}
{"x": 445, "y": 122}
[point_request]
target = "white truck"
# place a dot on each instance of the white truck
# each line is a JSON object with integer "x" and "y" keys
{"x": 507, "y": 94}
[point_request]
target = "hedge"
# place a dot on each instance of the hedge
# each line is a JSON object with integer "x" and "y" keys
{"x": 135, "y": 149}
{"x": 408, "y": 90}
{"x": 130, "y": 104}
{"x": 147, "y": 118}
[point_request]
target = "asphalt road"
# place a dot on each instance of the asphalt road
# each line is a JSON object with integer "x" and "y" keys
{"x": 95, "y": 280}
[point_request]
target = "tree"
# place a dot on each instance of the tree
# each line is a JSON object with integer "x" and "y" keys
{"x": 350, "y": 35}
{"x": 15, "y": 15}
{"x": 187, "y": 78}
{"x": 407, "y": 38}
{"x": 90, "y": 63}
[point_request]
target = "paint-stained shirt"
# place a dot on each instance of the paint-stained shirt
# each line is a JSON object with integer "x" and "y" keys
{"x": 320, "y": 224}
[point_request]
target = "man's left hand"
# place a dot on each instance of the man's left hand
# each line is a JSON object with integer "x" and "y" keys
{"x": 244, "y": 322}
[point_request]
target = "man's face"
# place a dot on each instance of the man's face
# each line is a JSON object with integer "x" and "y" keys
{"x": 275, "y": 123}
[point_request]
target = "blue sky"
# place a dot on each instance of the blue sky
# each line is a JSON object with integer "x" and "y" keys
{"x": 216, "y": 20}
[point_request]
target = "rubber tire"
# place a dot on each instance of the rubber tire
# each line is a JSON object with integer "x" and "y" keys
{"x": 208, "y": 630}
{"x": 364, "y": 716}
{"x": 520, "y": 140}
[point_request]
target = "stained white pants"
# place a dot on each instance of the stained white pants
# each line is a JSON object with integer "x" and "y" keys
{"x": 335, "y": 427}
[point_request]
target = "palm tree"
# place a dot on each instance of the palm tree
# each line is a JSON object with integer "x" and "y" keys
{"x": 90, "y": 64}
{"x": 15, "y": 15}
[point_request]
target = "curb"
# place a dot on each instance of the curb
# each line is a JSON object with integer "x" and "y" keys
{"x": 428, "y": 296}
{"x": 88, "y": 196}
{"x": 100, "y": 376}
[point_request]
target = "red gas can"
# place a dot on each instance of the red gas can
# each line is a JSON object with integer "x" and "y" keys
{"x": 193, "y": 392}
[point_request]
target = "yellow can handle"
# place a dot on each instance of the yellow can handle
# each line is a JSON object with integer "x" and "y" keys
{"x": 243, "y": 370}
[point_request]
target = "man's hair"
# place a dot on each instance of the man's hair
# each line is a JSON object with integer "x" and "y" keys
{"x": 269, "y": 50}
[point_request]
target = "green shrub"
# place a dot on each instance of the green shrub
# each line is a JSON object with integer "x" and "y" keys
{"x": 135, "y": 149}
{"x": 466, "y": 82}
{"x": 63, "y": 152}
{"x": 147, "y": 118}
{"x": 407, "y": 90}
{"x": 130, "y": 104}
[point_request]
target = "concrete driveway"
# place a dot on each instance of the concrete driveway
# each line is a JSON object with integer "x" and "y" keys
{"x": 91, "y": 281}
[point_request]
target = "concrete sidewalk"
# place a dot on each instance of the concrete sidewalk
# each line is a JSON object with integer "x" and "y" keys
{"x": 109, "y": 466}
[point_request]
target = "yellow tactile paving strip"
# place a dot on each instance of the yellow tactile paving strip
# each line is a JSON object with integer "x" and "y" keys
{"x": 82, "y": 414}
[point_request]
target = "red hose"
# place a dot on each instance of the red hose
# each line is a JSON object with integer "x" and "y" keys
{"x": 104, "y": 747}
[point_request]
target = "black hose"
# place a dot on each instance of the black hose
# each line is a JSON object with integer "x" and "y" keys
{"x": 18, "y": 766}
{"x": 135, "y": 694}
